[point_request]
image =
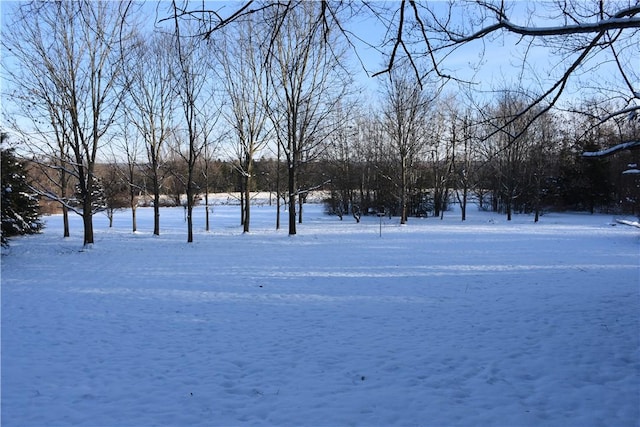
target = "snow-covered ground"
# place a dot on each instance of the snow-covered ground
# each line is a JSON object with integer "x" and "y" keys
{"x": 437, "y": 323}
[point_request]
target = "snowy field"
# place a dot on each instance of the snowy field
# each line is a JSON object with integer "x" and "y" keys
{"x": 437, "y": 323}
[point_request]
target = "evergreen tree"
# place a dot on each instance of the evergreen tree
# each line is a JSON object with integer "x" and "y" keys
{"x": 20, "y": 214}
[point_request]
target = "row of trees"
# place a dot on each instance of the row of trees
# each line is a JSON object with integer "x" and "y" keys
{"x": 456, "y": 154}
{"x": 452, "y": 158}
{"x": 93, "y": 82}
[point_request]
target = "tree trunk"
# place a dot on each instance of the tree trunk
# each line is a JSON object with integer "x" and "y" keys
{"x": 278, "y": 190}
{"x": 87, "y": 202}
{"x": 65, "y": 210}
{"x": 87, "y": 220}
{"x": 443, "y": 202}
{"x": 463, "y": 205}
{"x": 206, "y": 207}
{"x": 403, "y": 193}
{"x": 537, "y": 200}
{"x": 247, "y": 192}
{"x": 134, "y": 222}
{"x": 156, "y": 206}
{"x": 65, "y": 221}
{"x": 190, "y": 224}
{"x": 277, "y": 210}
{"x": 247, "y": 203}
{"x": 189, "y": 215}
{"x": 190, "y": 196}
{"x": 292, "y": 199}
{"x": 241, "y": 180}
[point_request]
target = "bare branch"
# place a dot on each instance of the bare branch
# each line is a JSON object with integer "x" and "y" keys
{"x": 621, "y": 20}
{"x": 631, "y": 145}
{"x": 397, "y": 43}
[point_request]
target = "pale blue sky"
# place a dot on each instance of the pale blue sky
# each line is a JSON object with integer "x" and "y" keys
{"x": 501, "y": 56}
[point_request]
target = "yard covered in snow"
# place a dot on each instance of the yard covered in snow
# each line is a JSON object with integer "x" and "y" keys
{"x": 437, "y": 323}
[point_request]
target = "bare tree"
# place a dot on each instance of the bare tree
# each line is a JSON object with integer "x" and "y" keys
{"x": 306, "y": 87}
{"x": 404, "y": 114}
{"x": 508, "y": 150}
{"x": 341, "y": 163}
{"x": 78, "y": 45}
{"x": 443, "y": 133}
{"x": 126, "y": 167}
{"x": 244, "y": 80}
{"x": 191, "y": 75}
{"x": 464, "y": 160}
{"x": 210, "y": 137}
{"x": 376, "y": 187}
{"x": 207, "y": 159}
{"x": 150, "y": 94}
{"x": 113, "y": 179}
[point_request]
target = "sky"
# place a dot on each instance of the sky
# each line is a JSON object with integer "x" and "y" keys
{"x": 507, "y": 61}
{"x": 488, "y": 63}
{"x": 495, "y": 62}
{"x": 499, "y": 56}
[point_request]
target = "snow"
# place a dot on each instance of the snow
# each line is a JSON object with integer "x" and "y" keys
{"x": 630, "y": 222}
{"x": 614, "y": 149}
{"x": 438, "y": 323}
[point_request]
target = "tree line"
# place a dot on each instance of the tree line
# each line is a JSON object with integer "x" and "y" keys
{"x": 109, "y": 108}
